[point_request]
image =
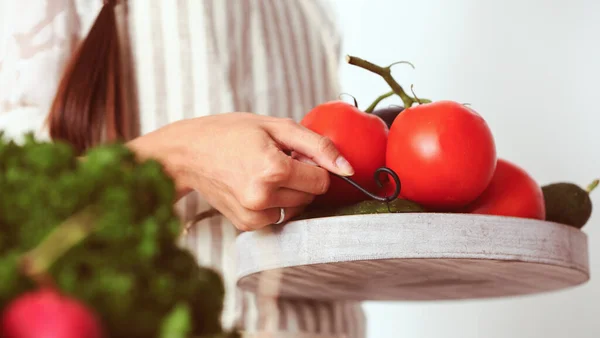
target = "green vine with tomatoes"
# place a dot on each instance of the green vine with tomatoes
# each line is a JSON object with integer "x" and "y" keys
{"x": 439, "y": 177}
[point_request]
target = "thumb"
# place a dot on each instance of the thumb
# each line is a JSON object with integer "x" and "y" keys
{"x": 311, "y": 146}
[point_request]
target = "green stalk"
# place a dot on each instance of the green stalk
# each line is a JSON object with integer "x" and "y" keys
{"x": 380, "y": 98}
{"x": 592, "y": 186}
{"x": 353, "y": 98}
{"x": 415, "y": 95}
{"x": 71, "y": 232}
{"x": 386, "y": 74}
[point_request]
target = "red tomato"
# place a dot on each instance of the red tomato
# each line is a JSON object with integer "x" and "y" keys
{"x": 46, "y": 313}
{"x": 512, "y": 192}
{"x": 444, "y": 154}
{"x": 360, "y": 137}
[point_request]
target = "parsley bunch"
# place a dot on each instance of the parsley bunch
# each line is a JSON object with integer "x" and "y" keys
{"x": 104, "y": 230}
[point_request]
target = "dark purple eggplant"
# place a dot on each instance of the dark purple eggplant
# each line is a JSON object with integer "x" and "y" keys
{"x": 388, "y": 114}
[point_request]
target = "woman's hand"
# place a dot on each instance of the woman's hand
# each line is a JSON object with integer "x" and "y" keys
{"x": 239, "y": 163}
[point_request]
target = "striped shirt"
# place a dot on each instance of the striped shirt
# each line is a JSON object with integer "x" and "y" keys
{"x": 192, "y": 58}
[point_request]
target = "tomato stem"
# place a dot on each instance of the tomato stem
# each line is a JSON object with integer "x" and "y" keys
{"x": 353, "y": 98}
{"x": 377, "y": 100}
{"x": 415, "y": 95}
{"x": 400, "y": 62}
{"x": 386, "y": 74}
{"x": 592, "y": 186}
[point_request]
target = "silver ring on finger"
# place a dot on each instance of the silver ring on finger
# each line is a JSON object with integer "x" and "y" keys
{"x": 281, "y": 216}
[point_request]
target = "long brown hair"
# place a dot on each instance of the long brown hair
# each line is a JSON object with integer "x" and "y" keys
{"x": 90, "y": 105}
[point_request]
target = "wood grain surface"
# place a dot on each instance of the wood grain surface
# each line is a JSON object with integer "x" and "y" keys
{"x": 412, "y": 256}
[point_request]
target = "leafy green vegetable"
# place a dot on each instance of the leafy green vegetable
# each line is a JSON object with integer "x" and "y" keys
{"x": 177, "y": 323}
{"x": 126, "y": 264}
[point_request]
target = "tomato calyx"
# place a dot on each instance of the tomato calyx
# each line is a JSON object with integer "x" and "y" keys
{"x": 412, "y": 89}
{"x": 353, "y": 98}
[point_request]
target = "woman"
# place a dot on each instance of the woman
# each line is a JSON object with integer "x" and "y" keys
{"x": 161, "y": 75}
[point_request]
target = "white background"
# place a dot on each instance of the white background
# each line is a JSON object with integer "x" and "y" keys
{"x": 532, "y": 69}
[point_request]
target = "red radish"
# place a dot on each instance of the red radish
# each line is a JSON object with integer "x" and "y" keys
{"x": 49, "y": 314}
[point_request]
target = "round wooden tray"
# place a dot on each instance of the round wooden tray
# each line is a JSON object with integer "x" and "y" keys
{"x": 411, "y": 256}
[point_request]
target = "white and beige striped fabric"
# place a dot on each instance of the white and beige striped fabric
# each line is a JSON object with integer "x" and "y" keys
{"x": 192, "y": 58}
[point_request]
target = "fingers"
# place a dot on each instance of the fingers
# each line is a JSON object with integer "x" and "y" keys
{"x": 318, "y": 148}
{"x": 289, "y": 213}
{"x": 258, "y": 207}
{"x": 299, "y": 157}
{"x": 269, "y": 179}
{"x": 248, "y": 220}
{"x": 290, "y": 198}
{"x": 279, "y": 172}
{"x": 258, "y": 198}
{"x": 306, "y": 178}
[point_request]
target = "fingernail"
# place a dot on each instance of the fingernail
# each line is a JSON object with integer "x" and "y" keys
{"x": 344, "y": 166}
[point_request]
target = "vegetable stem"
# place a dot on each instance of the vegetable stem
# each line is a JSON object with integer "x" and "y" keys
{"x": 380, "y": 98}
{"x": 353, "y": 98}
{"x": 71, "y": 232}
{"x": 386, "y": 74}
{"x": 592, "y": 186}
{"x": 415, "y": 95}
